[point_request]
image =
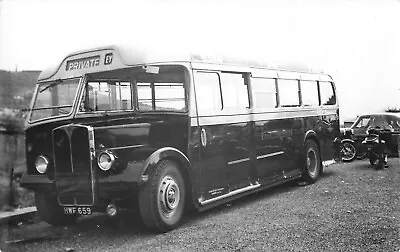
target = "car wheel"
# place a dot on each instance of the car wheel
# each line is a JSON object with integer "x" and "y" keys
{"x": 348, "y": 151}
{"x": 162, "y": 198}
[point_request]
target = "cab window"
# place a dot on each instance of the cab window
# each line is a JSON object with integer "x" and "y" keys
{"x": 362, "y": 122}
{"x": 107, "y": 96}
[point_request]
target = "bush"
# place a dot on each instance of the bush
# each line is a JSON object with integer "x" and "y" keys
{"x": 11, "y": 120}
{"x": 13, "y": 161}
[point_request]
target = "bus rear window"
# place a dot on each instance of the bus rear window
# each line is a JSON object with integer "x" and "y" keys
{"x": 327, "y": 95}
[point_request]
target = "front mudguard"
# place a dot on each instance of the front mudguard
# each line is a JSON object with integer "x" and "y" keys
{"x": 161, "y": 154}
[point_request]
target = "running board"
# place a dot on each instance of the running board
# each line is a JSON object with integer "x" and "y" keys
{"x": 328, "y": 162}
{"x": 241, "y": 190}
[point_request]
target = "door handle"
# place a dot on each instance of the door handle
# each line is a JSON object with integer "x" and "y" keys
{"x": 203, "y": 137}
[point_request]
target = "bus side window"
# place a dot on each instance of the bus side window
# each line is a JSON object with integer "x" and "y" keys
{"x": 327, "y": 95}
{"x": 208, "y": 92}
{"x": 264, "y": 93}
{"x": 234, "y": 91}
{"x": 309, "y": 93}
{"x": 289, "y": 93}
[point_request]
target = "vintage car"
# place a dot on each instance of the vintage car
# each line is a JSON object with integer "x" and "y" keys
{"x": 386, "y": 120}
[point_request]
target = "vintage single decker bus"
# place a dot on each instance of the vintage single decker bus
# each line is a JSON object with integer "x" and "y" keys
{"x": 113, "y": 129}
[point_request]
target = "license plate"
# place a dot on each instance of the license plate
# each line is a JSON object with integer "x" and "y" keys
{"x": 77, "y": 210}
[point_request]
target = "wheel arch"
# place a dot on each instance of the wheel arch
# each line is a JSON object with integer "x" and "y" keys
{"x": 312, "y": 135}
{"x": 182, "y": 161}
{"x": 348, "y": 140}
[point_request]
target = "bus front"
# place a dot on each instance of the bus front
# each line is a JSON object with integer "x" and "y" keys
{"x": 95, "y": 125}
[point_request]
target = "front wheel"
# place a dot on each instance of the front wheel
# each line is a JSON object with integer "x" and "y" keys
{"x": 348, "y": 151}
{"x": 162, "y": 198}
{"x": 311, "y": 162}
{"x": 51, "y": 212}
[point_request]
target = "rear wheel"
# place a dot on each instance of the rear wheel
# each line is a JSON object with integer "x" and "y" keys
{"x": 311, "y": 162}
{"x": 51, "y": 212}
{"x": 162, "y": 198}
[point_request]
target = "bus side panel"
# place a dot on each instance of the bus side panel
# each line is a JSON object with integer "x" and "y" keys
{"x": 273, "y": 140}
{"x": 209, "y": 162}
{"x": 292, "y": 143}
{"x": 223, "y": 157}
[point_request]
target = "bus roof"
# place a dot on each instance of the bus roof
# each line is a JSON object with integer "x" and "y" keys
{"x": 120, "y": 56}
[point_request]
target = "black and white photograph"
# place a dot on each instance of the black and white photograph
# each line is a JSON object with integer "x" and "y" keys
{"x": 199, "y": 125}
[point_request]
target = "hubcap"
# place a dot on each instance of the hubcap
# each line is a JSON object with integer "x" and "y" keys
{"x": 169, "y": 196}
{"x": 348, "y": 151}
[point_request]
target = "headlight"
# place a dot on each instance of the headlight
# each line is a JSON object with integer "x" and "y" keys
{"x": 41, "y": 164}
{"x": 105, "y": 161}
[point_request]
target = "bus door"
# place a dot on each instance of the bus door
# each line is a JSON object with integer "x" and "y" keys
{"x": 267, "y": 130}
{"x": 224, "y": 157}
{"x": 269, "y": 151}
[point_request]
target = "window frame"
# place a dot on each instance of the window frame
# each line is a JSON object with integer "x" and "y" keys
{"x": 252, "y": 94}
{"x": 132, "y": 86}
{"x": 333, "y": 91}
{"x": 213, "y": 111}
{"x": 318, "y": 104}
{"x": 245, "y": 77}
{"x": 298, "y": 94}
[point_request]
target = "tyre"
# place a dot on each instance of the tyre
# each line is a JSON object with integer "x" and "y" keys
{"x": 311, "y": 162}
{"x": 348, "y": 151}
{"x": 162, "y": 198}
{"x": 51, "y": 212}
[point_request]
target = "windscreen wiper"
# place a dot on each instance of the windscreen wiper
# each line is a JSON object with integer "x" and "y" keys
{"x": 56, "y": 82}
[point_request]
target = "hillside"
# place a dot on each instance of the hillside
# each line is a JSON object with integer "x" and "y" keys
{"x": 16, "y": 88}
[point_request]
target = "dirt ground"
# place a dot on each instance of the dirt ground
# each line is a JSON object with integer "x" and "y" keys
{"x": 351, "y": 208}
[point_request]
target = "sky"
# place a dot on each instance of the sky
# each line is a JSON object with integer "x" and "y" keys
{"x": 355, "y": 41}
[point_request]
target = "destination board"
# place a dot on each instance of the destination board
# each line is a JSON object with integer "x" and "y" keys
{"x": 83, "y": 63}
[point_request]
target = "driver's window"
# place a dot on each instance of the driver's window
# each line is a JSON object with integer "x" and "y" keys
{"x": 363, "y": 123}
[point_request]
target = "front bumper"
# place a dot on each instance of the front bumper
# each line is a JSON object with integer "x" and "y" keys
{"x": 37, "y": 182}
{"x": 123, "y": 192}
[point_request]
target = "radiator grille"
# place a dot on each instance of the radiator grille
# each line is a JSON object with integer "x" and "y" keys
{"x": 72, "y": 158}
